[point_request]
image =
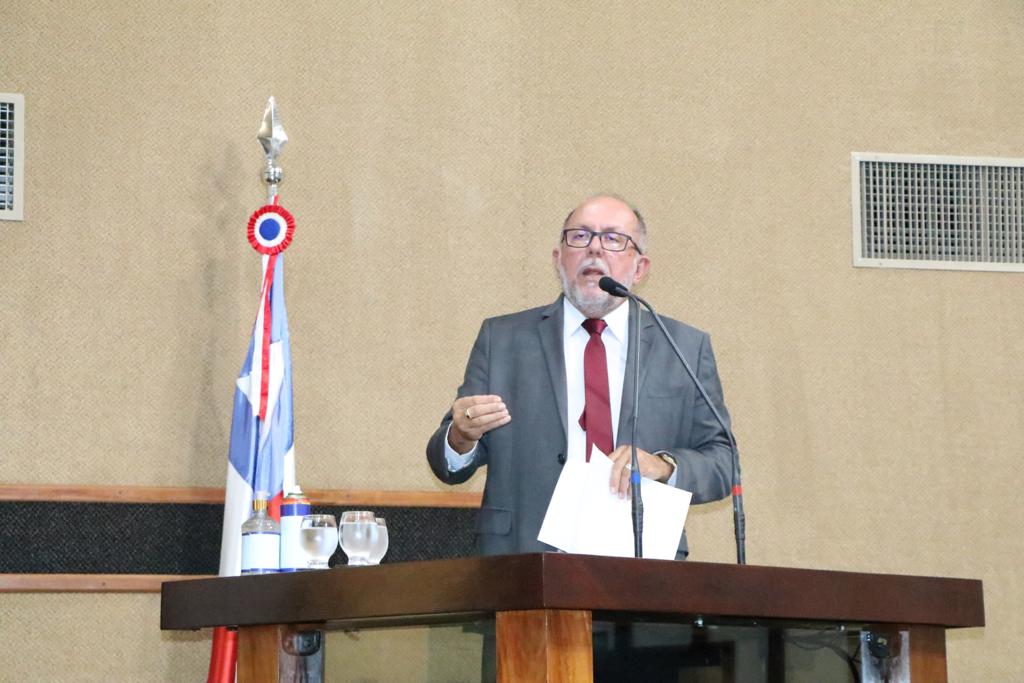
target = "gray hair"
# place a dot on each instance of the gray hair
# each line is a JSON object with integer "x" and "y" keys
{"x": 641, "y": 225}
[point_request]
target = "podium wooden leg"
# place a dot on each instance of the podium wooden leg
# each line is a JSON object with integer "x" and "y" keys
{"x": 258, "y": 654}
{"x": 928, "y": 654}
{"x": 545, "y": 645}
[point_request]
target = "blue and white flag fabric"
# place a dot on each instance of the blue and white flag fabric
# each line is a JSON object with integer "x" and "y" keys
{"x": 261, "y": 456}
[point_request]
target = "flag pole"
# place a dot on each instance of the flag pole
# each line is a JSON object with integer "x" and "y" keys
{"x": 269, "y": 232}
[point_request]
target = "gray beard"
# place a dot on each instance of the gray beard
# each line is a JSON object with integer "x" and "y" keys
{"x": 596, "y": 305}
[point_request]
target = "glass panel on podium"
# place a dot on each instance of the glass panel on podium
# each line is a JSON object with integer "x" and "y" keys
{"x": 723, "y": 651}
{"x": 698, "y": 651}
{"x": 437, "y": 653}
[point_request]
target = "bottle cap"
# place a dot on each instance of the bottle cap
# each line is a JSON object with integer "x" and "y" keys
{"x": 259, "y": 500}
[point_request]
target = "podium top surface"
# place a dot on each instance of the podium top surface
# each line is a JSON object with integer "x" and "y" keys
{"x": 428, "y": 591}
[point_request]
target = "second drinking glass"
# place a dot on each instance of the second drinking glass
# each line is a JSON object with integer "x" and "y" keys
{"x": 359, "y": 536}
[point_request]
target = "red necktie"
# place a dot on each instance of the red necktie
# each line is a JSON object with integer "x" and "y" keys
{"x": 596, "y": 419}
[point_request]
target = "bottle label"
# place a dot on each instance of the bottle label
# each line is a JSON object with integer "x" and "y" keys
{"x": 260, "y": 552}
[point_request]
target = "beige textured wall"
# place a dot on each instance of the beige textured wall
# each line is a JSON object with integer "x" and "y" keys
{"x": 79, "y": 638}
{"x": 435, "y": 148}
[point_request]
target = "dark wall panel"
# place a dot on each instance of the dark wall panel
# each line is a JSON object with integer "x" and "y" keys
{"x": 131, "y": 538}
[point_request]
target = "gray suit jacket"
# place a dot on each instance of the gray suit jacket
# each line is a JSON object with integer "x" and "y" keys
{"x": 520, "y": 358}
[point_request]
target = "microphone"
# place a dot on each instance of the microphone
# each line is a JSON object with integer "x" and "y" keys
{"x": 618, "y": 289}
{"x": 613, "y": 287}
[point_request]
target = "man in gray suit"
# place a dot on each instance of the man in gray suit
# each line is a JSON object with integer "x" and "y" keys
{"x": 527, "y": 397}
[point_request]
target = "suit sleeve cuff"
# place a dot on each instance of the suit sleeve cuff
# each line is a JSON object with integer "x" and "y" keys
{"x": 457, "y": 461}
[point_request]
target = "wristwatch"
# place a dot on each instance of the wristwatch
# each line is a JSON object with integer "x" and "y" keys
{"x": 670, "y": 460}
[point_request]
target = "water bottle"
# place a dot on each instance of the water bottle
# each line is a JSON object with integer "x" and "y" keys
{"x": 261, "y": 539}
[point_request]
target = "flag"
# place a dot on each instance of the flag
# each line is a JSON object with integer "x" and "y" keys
{"x": 261, "y": 455}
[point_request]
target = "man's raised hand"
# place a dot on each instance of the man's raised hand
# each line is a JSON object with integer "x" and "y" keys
{"x": 474, "y": 416}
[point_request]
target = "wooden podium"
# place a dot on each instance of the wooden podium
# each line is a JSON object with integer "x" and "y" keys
{"x": 543, "y": 605}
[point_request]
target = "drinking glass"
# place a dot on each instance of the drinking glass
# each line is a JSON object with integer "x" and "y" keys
{"x": 380, "y": 548}
{"x": 359, "y": 534}
{"x": 318, "y": 535}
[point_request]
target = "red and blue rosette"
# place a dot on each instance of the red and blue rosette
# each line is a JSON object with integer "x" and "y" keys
{"x": 271, "y": 228}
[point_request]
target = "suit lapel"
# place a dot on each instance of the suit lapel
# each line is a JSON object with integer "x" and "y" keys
{"x": 647, "y": 331}
{"x": 550, "y": 331}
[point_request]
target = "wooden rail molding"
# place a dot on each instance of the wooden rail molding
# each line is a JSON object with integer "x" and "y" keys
{"x": 76, "y": 493}
{"x": 87, "y": 583}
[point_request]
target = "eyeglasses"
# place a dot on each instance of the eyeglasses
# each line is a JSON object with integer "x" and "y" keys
{"x": 611, "y": 241}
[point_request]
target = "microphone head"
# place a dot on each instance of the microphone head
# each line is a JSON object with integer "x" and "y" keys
{"x": 613, "y": 287}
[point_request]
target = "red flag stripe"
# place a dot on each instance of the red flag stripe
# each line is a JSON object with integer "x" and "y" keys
{"x": 265, "y": 356}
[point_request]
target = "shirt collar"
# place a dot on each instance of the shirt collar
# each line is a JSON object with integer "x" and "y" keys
{"x": 618, "y": 320}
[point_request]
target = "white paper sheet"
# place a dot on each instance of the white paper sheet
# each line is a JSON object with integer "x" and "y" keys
{"x": 585, "y": 517}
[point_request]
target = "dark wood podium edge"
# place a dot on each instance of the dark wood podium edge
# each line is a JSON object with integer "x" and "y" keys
{"x": 438, "y": 589}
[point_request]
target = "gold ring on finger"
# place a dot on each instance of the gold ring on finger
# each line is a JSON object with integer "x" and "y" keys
{"x": 468, "y": 416}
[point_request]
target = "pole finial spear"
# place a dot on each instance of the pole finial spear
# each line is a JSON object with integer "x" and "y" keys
{"x": 272, "y": 138}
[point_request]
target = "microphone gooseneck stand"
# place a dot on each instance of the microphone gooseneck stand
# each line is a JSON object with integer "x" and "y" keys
{"x": 739, "y": 520}
{"x": 634, "y": 474}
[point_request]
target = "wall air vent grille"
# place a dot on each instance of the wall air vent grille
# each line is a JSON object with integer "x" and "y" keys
{"x": 12, "y": 156}
{"x": 955, "y": 213}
